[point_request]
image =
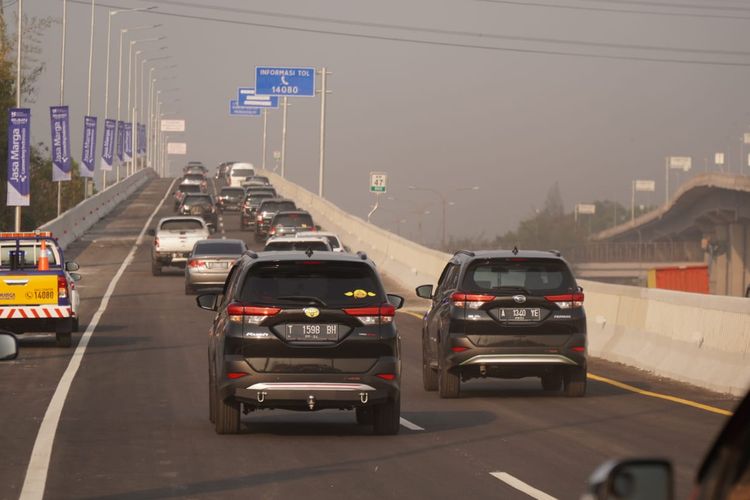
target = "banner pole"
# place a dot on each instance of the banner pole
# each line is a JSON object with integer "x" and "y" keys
{"x": 18, "y": 92}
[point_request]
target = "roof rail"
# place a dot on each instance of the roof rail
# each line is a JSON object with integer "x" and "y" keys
{"x": 362, "y": 255}
{"x": 557, "y": 253}
{"x": 465, "y": 252}
{"x": 251, "y": 253}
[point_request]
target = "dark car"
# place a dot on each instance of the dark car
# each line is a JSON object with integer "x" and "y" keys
{"x": 230, "y": 199}
{"x": 304, "y": 331}
{"x": 288, "y": 223}
{"x": 222, "y": 171}
{"x": 267, "y": 210}
{"x": 200, "y": 205}
{"x": 504, "y": 314}
{"x": 256, "y": 180}
{"x": 184, "y": 189}
{"x": 260, "y": 189}
{"x": 724, "y": 474}
{"x": 196, "y": 178}
{"x": 250, "y": 207}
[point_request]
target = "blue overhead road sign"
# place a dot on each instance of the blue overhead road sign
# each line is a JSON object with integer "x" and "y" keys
{"x": 296, "y": 82}
{"x": 236, "y": 109}
{"x": 246, "y": 97}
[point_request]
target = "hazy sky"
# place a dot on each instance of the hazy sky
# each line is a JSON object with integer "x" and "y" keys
{"x": 439, "y": 116}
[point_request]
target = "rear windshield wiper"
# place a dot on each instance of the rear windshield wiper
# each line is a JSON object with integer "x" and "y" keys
{"x": 304, "y": 298}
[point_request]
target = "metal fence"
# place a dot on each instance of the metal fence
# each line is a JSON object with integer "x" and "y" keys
{"x": 662, "y": 251}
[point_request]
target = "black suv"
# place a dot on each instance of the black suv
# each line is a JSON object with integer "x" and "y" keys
{"x": 304, "y": 331}
{"x": 200, "y": 205}
{"x": 504, "y": 314}
{"x": 266, "y": 212}
{"x": 289, "y": 223}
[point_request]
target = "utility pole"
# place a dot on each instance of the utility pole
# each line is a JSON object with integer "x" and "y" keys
{"x": 283, "y": 135}
{"x": 62, "y": 88}
{"x": 18, "y": 90}
{"x": 323, "y": 92}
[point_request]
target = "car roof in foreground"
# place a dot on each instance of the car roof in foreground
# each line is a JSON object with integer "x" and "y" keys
{"x": 220, "y": 242}
{"x": 508, "y": 254}
{"x": 299, "y": 255}
{"x": 181, "y": 217}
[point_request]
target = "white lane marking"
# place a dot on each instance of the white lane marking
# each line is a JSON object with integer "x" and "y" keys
{"x": 521, "y": 486}
{"x": 36, "y": 473}
{"x": 410, "y": 425}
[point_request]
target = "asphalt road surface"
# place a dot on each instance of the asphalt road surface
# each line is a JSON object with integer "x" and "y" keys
{"x": 134, "y": 424}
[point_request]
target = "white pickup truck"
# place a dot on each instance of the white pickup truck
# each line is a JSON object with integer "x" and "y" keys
{"x": 174, "y": 238}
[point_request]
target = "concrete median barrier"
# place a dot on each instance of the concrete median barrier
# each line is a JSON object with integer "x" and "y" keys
{"x": 71, "y": 225}
{"x": 703, "y": 340}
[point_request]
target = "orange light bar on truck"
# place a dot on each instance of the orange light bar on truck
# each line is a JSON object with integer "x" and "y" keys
{"x": 40, "y": 234}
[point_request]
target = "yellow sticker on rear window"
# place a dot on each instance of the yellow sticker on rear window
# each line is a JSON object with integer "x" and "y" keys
{"x": 360, "y": 294}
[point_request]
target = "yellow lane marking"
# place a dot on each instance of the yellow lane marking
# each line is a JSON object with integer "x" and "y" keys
{"x": 636, "y": 390}
{"x": 666, "y": 397}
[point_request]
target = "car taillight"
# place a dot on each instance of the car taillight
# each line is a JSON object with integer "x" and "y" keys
{"x": 196, "y": 263}
{"x": 567, "y": 300}
{"x": 62, "y": 287}
{"x": 236, "y": 375}
{"x": 386, "y": 376}
{"x": 250, "y": 314}
{"x": 259, "y": 218}
{"x": 373, "y": 315}
{"x": 470, "y": 301}
{"x": 156, "y": 243}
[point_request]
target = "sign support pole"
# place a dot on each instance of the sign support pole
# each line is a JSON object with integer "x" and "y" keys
{"x": 265, "y": 137}
{"x": 283, "y": 135}
{"x": 18, "y": 90}
{"x": 323, "y": 91}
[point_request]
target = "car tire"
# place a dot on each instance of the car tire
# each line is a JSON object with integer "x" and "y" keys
{"x": 386, "y": 419}
{"x": 63, "y": 339}
{"x": 575, "y": 382}
{"x": 211, "y": 398}
{"x": 449, "y": 383}
{"x": 155, "y": 268}
{"x": 429, "y": 375}
{"x": 552, "y": 382}
{"x": 365, "y": 415}
{"x": 227, "y": 415}
{"x": 76, "y": 325}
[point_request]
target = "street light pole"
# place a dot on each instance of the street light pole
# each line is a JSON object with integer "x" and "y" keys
{"x": 18, "y": 88}
{"x": 88, "y": 90}
{"x": 323, "y": 91}
{"x": 62, "y": 88}
{"x": 265, "y": 137}
{"x": 283, "y": 135}
{"x": 444, "y": 202}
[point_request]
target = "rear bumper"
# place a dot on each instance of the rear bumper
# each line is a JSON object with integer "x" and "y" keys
{"x": 167, "y": 258}
{"x": 50, "y": 325}
{"x": 206, "y": 279}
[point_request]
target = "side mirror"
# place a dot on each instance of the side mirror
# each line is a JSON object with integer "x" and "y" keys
{"x": 632, "y": 480}
{"x": 396, "y": 301}
{"x": 151, "y": 232}
{"x": 72, "y": 266}
{"x": 207, "y": 301}
{"x": 580, "y": 289}
{"x": 424, "y": 291}
{"x": 76, "y": 277}
{"x": 317, "y": 227}
{"x": 8, "y": 346}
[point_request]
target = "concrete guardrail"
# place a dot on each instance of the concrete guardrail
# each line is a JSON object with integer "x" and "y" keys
{"x": 703, "y": 340}
{"x": 71, "y": 225}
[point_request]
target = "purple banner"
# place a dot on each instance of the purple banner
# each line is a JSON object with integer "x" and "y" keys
{"x": 120, "y": 139}
{"x": 128, "y": 141}
{"x": 88, "y": 157}
{"x": 142, "y": 138}
{"x": 19, "y": 150}
{"x": 108, "y": 146}
{"x": 60, "y": 125}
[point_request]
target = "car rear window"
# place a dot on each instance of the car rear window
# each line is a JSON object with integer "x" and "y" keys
{"x": 223, "y": 248}
{"x": 181, "y": 224}
{"x": 263, "y": 190}
{"x": 333, "y": 241}
{"x": 194, "y": 177}
{"x": 31, "y": 252}
{"x": 277, "y": 206}
{"x": 242, "y": 172}
{"x": 534, "y": 275}
{"x": 256, "y": 199}
{"x": 233, "y": 192}
{"x": 195, "y": 199}
{"x": 189, "y": 188}
{"x": 318, "y": 246}
{"x": 294, "y": 220}
{"x": 338, "y": 284}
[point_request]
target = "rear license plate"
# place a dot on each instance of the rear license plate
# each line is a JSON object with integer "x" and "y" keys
{"x": 312, "y": 332}
{"x": 519, "y": 314}
{"x": 217, "y": 265}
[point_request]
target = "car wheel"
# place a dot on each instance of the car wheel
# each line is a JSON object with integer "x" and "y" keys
{"x": 365, "y": 415}
{"x": 575, "y": 382}
{"x": 63, "y": 339}
{"x": 449, "y": 382}
{"x": 386, "y": 419}
{"x": 155, "y": 268}
{"x": 76, "y": 325}
{"x": 227, "y": 415}
{"x": 552, "y": 382}
{"x": 429, "y": 375}
{"x": 211, "y": 398}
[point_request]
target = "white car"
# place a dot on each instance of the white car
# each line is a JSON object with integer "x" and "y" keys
{"x": 284, "y": 243}
{"x": 239, "y": 172}
{"x": 332, "y": 238}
